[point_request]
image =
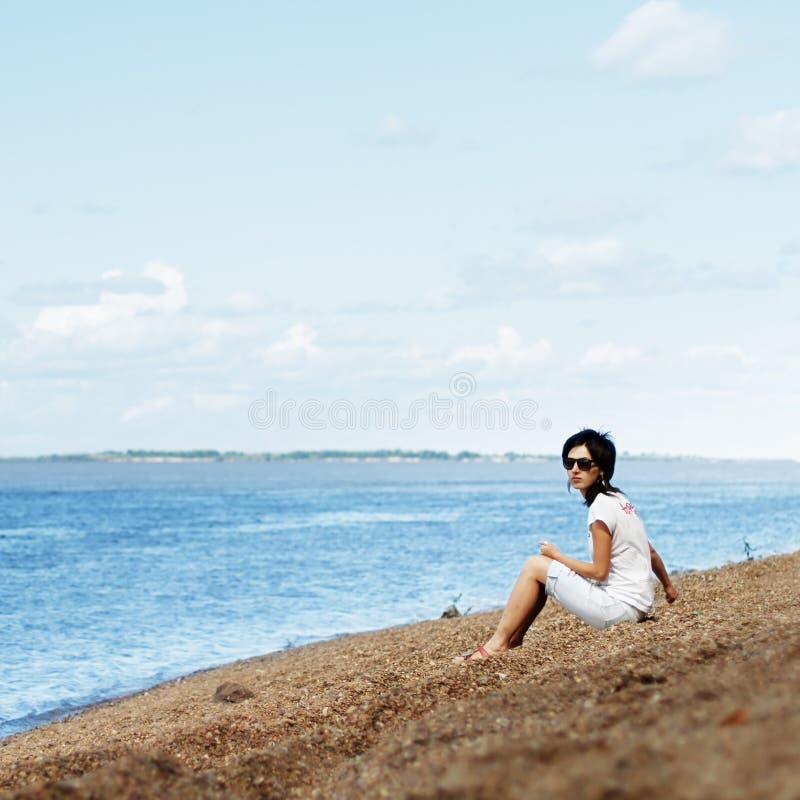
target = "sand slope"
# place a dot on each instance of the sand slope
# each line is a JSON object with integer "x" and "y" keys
{"x": 703, "y": 702}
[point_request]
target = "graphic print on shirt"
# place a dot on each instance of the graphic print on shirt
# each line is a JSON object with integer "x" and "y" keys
{"x": 628, "y": 508}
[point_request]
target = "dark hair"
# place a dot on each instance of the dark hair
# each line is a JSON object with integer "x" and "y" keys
{"x": 603, "y": 453}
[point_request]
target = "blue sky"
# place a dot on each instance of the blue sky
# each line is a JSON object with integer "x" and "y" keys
{"x": 584, "y": 211}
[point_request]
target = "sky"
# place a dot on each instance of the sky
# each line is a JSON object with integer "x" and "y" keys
{"x": 355, "y": 225}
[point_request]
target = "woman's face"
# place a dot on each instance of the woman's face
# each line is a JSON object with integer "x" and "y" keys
{"x": 579, "y": 478}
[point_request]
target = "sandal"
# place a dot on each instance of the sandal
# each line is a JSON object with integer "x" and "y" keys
{"x": 470, "y": 654}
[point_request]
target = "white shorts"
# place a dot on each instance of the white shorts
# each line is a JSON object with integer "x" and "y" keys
{"x": 587, "y": 600}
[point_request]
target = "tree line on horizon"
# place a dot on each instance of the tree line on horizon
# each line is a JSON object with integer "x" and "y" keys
{"x": 293, "y": 455}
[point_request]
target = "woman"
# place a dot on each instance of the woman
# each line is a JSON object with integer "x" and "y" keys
{"x": 616, "y": 585}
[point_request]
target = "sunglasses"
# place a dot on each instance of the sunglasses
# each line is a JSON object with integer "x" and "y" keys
{"x": 584, "y": 464}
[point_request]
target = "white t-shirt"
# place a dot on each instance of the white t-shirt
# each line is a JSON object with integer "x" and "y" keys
{"x": 630, "y": 578}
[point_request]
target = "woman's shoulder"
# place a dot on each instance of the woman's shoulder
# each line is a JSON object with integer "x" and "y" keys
{"x": 611, "y": 503}
{"x": 609, "y": 499}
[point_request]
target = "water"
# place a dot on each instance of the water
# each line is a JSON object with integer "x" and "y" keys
{"x": 114, "y": 577}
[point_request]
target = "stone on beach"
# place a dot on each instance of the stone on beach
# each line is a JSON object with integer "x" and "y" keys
{"x": 230, "y": 692}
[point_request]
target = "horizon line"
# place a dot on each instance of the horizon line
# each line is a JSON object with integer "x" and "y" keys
{"x": 211, "y": 454}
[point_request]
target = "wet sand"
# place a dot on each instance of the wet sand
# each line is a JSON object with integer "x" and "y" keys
{"x": 703, "y": 702}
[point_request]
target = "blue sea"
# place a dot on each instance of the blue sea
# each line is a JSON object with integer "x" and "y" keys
{"x": 114, "y": 577}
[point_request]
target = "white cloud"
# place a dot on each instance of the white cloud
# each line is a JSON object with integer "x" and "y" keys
{"x": 148, "y": 408}
{"x": 218, "y": 402}
{"x": 582, "y": 215}
{"x": 599, "y": 266}
{"x": 208, "y": 338}
{"x": 769, "y": 142}
{"x": 394, "y": 130}
{"x": 111, "y": 274}
{"x": 610, "y": 355}
{"x": 392, "y": 127}
{"x": 719, "y": 353}
{"x": 246, "y": 302}
{"x": 661, "y": 39}
{"x": 593, "y": 253}
{"x": 114, "y": 307}
{"x": 443, "y": 298}
{"x": 580, "y": 287}
{"x": 139, "y": 319}
{"x": 506, "y": 349}
{"x": 297, "y": 344}
{"x": 140, "y": 325}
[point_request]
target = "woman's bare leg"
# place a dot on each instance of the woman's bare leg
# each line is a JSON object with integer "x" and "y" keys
{"x": 527, "y": 599}
{"x": 519, "y": 634}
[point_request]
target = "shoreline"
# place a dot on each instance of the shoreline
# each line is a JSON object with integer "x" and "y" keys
{"x": 703, "y": 699}
{"x": 66, "y": 712}
{"x": 59, "y": 715}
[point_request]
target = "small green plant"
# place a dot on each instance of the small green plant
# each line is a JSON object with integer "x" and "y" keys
{"x": 748, "y": 549}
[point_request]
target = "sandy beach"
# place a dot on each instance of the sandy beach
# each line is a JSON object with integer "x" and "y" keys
{"x": 700, "y": 703}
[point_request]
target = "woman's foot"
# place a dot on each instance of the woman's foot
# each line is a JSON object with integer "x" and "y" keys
{"x": 480, "y": 654}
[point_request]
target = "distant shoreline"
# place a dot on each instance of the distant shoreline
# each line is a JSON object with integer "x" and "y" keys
{"x": 389, "y": 456}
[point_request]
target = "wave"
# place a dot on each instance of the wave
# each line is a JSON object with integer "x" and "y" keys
{"x": 330, "y": 519}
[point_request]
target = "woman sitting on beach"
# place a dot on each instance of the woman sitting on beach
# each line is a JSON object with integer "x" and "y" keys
{"x": 615, "y": 586}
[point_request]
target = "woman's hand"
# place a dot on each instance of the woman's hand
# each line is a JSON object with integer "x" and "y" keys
{"x": 549, "y": 549}
{"x": 597, "y": 569}
{"x": 671, "y": 592}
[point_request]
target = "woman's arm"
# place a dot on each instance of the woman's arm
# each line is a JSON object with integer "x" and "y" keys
{"x": 660, "y": 570}
{"x": 600, "y": 564}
